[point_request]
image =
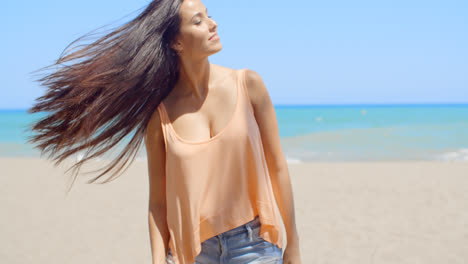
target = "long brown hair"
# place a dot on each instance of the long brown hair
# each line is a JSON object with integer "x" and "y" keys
{"x": 112, "y": 90}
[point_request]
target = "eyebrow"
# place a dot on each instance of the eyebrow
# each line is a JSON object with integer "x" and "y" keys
{"x": 199, "y": 13}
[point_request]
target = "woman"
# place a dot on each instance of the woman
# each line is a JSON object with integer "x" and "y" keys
{"x": 215, "y": 163}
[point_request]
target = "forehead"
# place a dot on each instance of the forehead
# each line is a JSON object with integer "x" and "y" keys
{"x": 189, "y": 8}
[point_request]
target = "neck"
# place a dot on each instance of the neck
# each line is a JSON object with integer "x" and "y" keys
{"x": 193, "y": 78}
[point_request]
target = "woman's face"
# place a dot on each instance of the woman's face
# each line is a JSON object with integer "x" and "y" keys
{"x": 196, "y": 29}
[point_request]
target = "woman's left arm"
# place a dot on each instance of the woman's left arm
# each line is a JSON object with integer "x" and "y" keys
{"x": 277, "y": 166}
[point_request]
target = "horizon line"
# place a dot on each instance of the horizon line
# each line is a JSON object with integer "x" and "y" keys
{"x": 331, "y": 104}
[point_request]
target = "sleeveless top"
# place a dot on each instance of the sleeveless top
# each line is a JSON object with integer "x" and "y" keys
{"x": 215, "y": 185}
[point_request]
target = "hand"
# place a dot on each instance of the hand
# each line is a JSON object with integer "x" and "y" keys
{"x": 292, "y": 254}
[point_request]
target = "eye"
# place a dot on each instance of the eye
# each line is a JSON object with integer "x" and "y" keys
{"x": 199, "y": 21}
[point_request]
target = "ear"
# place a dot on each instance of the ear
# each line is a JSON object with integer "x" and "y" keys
{"x": 177, "y": 45}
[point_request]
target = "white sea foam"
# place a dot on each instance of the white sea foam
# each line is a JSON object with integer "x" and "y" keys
{"x": 79, "y": 157}
{"x": 458, "y": 155}
{"x": 290, "y": 160}
{"x": 138, "y": 158}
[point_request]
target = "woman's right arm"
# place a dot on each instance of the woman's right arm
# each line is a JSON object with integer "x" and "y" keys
{"x": 155, "y": 149}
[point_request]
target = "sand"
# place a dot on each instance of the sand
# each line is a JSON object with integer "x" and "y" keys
{"x": 383, "y": 212}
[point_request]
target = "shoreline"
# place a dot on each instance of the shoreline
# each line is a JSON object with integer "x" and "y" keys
{"x": 290, "y": 160}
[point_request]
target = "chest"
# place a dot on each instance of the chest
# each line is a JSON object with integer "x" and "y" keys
{"x": 196, "y": 121}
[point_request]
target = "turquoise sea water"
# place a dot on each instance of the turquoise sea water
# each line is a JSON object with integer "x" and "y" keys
{"x": 330, "y": 133}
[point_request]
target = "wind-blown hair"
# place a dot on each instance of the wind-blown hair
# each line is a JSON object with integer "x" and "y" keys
{"x": 113, "y": 90}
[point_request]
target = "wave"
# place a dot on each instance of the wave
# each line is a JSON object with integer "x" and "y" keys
{"x": 457, "y": 155}
{"x": 291, "y": 160}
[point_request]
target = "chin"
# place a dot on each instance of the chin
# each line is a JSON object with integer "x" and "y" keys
{"x": 214, "y": 51}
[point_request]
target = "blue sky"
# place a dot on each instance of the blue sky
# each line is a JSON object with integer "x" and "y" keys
{"x": 308, "y": 52}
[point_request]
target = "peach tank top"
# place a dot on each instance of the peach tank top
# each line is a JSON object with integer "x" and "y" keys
{"x": 215, "y": 185}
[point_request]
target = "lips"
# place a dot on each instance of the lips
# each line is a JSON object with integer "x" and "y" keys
{"x": 212, "y": 36}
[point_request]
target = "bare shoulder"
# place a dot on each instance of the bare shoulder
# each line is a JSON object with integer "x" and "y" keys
{"x": 253, "y": 81}
{"x": 154, "y": 129}
{"x": 218, "y": 67}
{"x": 222, "y": 72}
{"x": 255, "y": 87}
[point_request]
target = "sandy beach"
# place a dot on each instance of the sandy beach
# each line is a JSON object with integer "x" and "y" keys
{"x": 381, "y": 212}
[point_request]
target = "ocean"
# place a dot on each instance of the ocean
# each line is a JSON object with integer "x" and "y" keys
{"x": 328, "y": 133}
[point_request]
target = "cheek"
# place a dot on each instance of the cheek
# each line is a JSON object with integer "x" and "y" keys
{"x": 199, "y": 37}
{"x": 195, "y": 37}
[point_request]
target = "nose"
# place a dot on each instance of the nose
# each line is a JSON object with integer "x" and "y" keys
{"x": 214, "y": 25}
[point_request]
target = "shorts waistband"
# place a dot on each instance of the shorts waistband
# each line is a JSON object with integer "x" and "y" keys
{"x": 255, "y": 223}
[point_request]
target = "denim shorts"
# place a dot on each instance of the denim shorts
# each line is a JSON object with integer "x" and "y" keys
{"x": 240, "y": 245}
